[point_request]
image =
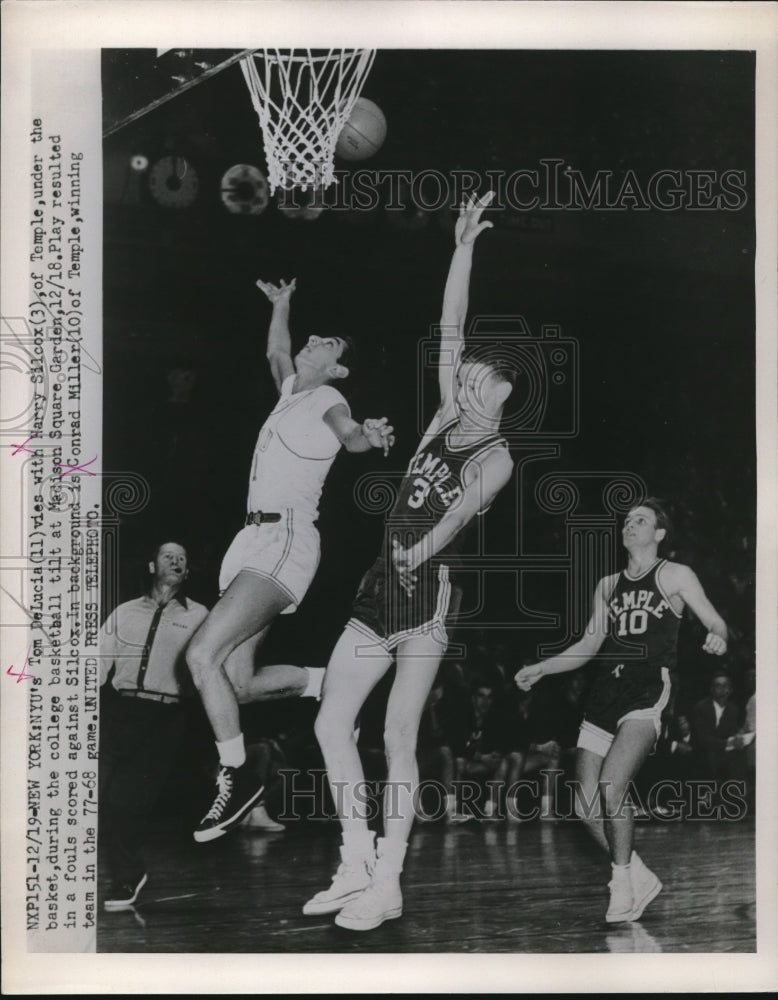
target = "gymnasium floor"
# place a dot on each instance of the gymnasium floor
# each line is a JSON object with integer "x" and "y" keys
{"x": 530, "y": 888}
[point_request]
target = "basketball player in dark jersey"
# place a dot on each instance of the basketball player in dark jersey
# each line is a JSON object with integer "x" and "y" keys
{"x": 406, "y": 600}
{"x": 633, "y": 633}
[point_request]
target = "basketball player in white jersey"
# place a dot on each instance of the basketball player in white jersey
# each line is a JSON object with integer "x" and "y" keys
{"x": 272, "y": 560}
{"x": 406, "y": 601}
{"x": 633, "y": 632}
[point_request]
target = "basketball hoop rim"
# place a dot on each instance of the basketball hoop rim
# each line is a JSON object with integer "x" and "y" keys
{"x": 269, "y": 55}
{"x": 303, "y": 98}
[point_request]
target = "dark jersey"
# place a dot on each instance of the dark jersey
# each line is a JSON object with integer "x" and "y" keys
{"x": 433, "y": 484}
{"x": 643, "y": 623}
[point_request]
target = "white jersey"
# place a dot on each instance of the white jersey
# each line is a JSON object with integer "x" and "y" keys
{"x": 294, "y": 451}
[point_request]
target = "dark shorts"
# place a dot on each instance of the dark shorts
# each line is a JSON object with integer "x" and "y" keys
{"x": 385, "y": 614}
{"x": 626, "y": 691}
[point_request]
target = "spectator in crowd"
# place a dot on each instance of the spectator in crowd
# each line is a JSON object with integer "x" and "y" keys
{"x": 142, "y": 718}
{"x": 540, "y": 750}
{"x": 481, "y": 745}
{"x": 455, "y": 679}
{"x": 500, "y": 667}
{"x": 677, "y": 738}
{"x": 435, "y": 756}
{"x": 715, "y": 724}
{"x": 569, "y": 712}
{"x": 747, "y": 735}
{"x": 749, "y": 726}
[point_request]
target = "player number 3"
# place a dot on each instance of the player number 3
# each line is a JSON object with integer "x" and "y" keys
{"x": 416, "y": 499}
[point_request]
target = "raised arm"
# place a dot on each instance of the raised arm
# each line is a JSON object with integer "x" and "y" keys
{"x": 580, "y": 652}
{"x": 279, "y": 341}
{"x": 487, "y": 478}
{"x": 355, "y": 437}
{"x": 455, "y": 296}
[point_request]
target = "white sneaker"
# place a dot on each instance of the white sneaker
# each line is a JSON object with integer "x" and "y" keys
{"x": 351, "y": 879}
{"x": 258, "y": 819}
{"x": 621, "y": 901}
{"x": 382, "y": 900}
{"x": 645, "y": 886}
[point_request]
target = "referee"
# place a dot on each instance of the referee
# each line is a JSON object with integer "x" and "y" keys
{"x": 142, "y": 716}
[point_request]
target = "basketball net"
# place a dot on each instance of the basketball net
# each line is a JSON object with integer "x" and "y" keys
{"x": 303, "y": 99}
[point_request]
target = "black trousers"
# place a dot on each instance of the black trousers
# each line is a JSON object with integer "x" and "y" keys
{"x": 139, "y": 740}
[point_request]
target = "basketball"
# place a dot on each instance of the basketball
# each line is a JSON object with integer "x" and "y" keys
{"x": 364, "y": 132}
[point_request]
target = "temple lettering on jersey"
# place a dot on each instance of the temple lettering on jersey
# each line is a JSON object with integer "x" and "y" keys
{"x": 434, "y": 482}
{"x": 638, "y": 610}
{"x": 432, "y": 473}
{"x": 630, "y": 600}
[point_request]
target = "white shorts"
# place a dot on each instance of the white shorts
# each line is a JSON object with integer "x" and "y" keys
{"x": 598, "y": 740}
{"x": 594, "y": 739}
{"x": 635, "y": 694}
{"x": 286, "y": 552}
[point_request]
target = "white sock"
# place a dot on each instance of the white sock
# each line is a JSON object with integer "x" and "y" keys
{"x": 315, "y": 681}
{"x": 359, "y": 841}
{"x": 636, "y": 860}
{"x": 391, "y": 854}
{"x": 394, "y": 847}
{"x": 620, "y": 869}
{"x": 232, "y": 753}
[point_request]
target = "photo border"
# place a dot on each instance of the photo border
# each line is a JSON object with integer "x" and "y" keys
{"x": 94, "y": 24}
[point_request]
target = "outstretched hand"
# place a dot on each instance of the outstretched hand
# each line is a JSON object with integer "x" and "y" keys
{"x": 528, "y": 676}
{"x": 469, "y": 224}
{"x": 379, "y": 433}
{"x": 277, "y": 293}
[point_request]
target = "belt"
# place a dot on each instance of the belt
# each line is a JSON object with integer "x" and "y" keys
{"x": 173, "y": 699}
{"x": 262, "y": 517}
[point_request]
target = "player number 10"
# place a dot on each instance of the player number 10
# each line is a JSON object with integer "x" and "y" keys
{"x": 638, "y": 622}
